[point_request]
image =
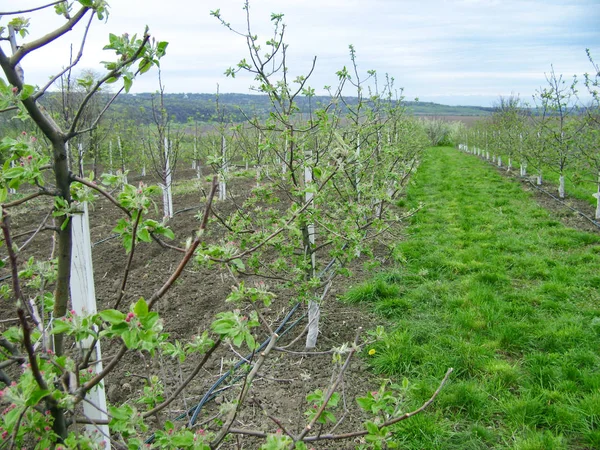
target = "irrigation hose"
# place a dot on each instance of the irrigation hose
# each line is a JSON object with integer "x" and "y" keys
{"x": 210, "y": 394}
{"x": 565, "y": 204}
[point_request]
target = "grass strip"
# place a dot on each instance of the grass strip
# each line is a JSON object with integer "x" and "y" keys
{"x": 491, "y": 284}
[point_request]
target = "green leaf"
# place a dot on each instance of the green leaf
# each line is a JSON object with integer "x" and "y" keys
{"x": 239, "y": 264}
{"x": 60, "y": 326}
{"x": 183, "y": 439}
{"x": 130, "y": 338}
{"x": 372, "y": 428}
{"x": 141, "y": 308}
{"x": 168, "y": 233}
{"x": 144, "y": 235}
{"x": 250, "y": 341}
{"x": 112, "y": 316}
{"x": 36, "y": 396}
{"x": 127, "y": 82}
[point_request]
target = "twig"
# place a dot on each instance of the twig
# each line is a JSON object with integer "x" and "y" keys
{"x": 189, "y": 252}
{"x": 185, "y": 383}
{"x": 136, "y": 222}
{"x": 101, "y": 191}
{"x": 35, "y": 233}
{"x": 13, "y": 266}
{"x": 334, "y": 437}
{"x": 247, "y": 383}
{"x": 405, "y": 416}
{"x": 25, "y": 11}
{"x": 13, "y": 436}
{"x": 331, "y": 390}
{"x": 155, "y": 297}
{"x": 24, "y": 199}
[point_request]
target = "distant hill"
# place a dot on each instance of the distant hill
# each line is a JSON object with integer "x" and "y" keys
{"x": 236, "y": 107}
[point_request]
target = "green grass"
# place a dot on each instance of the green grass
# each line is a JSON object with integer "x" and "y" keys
{"x": 490, "y": 284}
{"x": 582, "y": 189}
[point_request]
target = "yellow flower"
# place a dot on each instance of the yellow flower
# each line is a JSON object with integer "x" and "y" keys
{"x": 372, "y": 352}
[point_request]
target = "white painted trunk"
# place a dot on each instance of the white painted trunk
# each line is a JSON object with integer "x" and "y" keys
{"x": 83, "y": 298}
{"x": 597, "y": 195}
{"x": 509, "y": 165}
{"x": 285, "y": 149}
{"x": 538, "y": 179}
{"x": 167, "y": 192}
{"x": 80, "y": 154}
{"x": 110, "y": 158}
{"x": 357, "y": 178}
{"x": 487, "y": 155}
{"x": 122, "y": 162}
{"x": 499, "y": 161}
{"x": 561, "y": 186}
{"x": 195, "y": 157}
{"x": 12, "y": 190}
{"x": 222, "y": 182}
{"x": 68, "y": 153}
{"x": 314, "y": 310}
{"x": 143, "y": 161}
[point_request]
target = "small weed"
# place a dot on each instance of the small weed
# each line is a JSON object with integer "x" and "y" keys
{"x": 371, "y": 291}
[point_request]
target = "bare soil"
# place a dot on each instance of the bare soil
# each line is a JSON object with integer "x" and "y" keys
{"x": 189, "y": 308}
{"x": 572, "y": 212}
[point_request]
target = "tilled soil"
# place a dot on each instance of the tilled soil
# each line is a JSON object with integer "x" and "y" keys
{"x": 190, "y": 307}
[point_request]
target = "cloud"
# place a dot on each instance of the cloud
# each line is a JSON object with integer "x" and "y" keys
{"x": 451, "y": 49}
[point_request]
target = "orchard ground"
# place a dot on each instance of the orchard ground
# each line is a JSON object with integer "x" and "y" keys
{"x": 485, "y": 281}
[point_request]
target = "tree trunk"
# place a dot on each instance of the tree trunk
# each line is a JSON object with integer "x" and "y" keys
{"x": 61, "y": 293}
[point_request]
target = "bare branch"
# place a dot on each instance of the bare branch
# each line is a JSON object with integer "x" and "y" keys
{"x": 25, "y": 11}
{"x": 44, "y": 40}
{"x": 101, "y": 191}
{"x": 43, "y": 90}
{"x": 113, "y": 73}
{"x": 187, "y": 381}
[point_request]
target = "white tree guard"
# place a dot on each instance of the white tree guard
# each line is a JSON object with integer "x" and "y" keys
{"x": 121, "y": 157}
{"x": 538, "y": 179}
{"x": 561, "y": 186}
{"x": 143, "y": 162}
{"x": 597, "y": 195}
{"x": 222, "y": 181}
{"x": 314, "y": 309}
{"x": 110, "y": 158}
{"x": 12, "y": 190}
{"x": 68, "y": 153}
{"x": 282, "y": 159}
{"x": 83, "y": 298}
{"x": 499, "y": 161}
{"x": 195, "y": 157}
{"x": 509, "y": 164}
{"x": 166, "y": 188}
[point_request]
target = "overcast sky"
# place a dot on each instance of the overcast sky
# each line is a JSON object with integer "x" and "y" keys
{"x": 447, "y": 51}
